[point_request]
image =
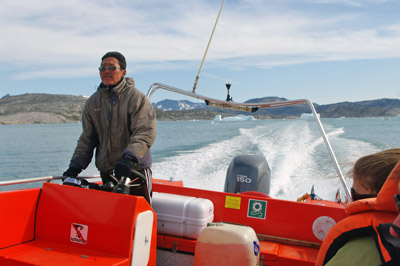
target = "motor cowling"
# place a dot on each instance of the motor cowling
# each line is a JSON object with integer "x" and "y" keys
{"x": 248, "y": 173}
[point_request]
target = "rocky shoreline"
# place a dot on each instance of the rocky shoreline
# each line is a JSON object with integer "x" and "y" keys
{"x": 34, "y": 118}
{"x": 55, "y": 109}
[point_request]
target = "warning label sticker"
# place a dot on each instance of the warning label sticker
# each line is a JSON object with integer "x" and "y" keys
{"x": 232, "y": 202}
{"x": 79, "y": 233}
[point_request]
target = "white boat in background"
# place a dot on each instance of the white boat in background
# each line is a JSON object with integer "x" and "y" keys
{"x": 218, "y": 118}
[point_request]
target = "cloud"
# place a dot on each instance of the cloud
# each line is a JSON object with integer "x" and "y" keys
{"x": 59, "y": 72}
{"x": 69, "y": 37}
{"x": 354, "y": 3}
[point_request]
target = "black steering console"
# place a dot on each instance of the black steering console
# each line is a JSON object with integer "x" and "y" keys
{"x": 121, "y": 186}
{"x": 80, "y": 182}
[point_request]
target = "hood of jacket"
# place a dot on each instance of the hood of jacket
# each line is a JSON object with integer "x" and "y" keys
{"x": 118, "y": 88}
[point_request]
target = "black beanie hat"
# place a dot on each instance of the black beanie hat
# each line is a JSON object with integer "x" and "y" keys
{"x": 118, "y": 56}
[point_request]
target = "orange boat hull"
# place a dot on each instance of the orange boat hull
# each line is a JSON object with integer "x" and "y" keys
{"x": 36, "y": 225}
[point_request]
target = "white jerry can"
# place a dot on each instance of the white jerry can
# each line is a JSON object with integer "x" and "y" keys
{"x": 227, "y": 244}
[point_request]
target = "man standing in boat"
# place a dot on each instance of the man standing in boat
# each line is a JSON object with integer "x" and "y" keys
{"x": 120, "y": 123}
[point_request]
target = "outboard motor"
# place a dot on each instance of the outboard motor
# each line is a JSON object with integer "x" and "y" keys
{"x": 248, "y": 173}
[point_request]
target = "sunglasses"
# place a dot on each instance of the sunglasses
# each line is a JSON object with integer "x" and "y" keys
{"x": 111, "y": 68}
{"x": 397, "y": 201}
{"x": 355, "y": 196}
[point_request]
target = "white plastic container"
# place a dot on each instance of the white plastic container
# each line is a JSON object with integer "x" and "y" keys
{"x": 227, "y": 244}
{"x": 181, "y": 215}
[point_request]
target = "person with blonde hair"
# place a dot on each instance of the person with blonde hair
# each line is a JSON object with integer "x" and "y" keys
{"x": 370, "y": 173}
{"x": 358, "y": 239}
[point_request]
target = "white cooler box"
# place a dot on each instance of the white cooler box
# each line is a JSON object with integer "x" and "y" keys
{"x": 181, "y": 215}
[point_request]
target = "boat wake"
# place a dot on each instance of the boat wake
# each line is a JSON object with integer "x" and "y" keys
{"x": 293, "y": 149}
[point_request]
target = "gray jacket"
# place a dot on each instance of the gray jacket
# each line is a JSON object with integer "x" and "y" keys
{"x": 116, "y": 122}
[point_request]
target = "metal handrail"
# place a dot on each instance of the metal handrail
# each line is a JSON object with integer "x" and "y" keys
{"x": 330, "y": 150}
{"x": 254, "y": 107}
{"x": 38, "y": 179}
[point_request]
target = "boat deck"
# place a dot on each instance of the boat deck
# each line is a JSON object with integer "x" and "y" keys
{"x": 285, "y": 233}
{"x": 38, "y": 229}
{"x": 271, "y": 253}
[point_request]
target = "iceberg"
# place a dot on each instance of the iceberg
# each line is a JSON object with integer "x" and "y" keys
{"x": 218, "y": 118}
{"x": 308, "y": 116}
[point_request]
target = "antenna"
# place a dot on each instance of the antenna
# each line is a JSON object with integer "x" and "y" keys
{"x": 205, "y": 54}
{"x": 228, "y": 86}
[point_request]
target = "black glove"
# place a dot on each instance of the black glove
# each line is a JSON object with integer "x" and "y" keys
{"x": 124, "y": 167}
{"x": 72, "y": 171}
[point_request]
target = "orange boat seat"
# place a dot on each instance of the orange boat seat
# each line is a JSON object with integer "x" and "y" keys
{"x": 87, "y": 227}
{"x": 17, "y": 216}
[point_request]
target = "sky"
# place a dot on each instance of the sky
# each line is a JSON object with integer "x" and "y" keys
{"x": 327, "y": 51}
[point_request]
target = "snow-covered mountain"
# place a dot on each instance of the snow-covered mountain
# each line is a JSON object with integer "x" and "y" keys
{"x": 177, "y": 105}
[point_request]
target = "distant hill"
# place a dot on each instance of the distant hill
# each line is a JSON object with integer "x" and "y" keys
{"x": 375, "y": 108}
{"x": 40, "y": 108}
{"x": 54, "y": 108}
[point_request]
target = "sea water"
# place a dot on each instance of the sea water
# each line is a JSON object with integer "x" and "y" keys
{"x": 199, "y": 152}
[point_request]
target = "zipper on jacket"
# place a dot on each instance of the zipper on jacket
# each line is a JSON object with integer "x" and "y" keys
{"x": 109, "y": 132}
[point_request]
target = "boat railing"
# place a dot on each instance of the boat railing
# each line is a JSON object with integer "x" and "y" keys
{"x": 38, "y": 179}
{"x": 253, "y": 107}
